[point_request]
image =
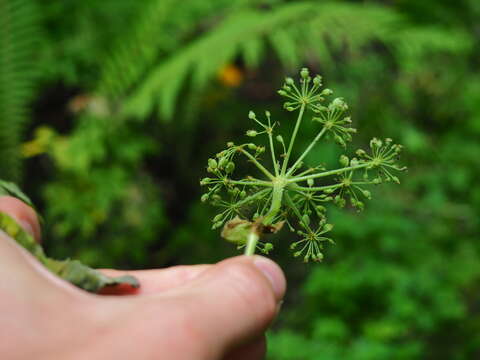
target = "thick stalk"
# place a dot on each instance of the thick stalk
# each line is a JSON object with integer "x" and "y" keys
{"x": 253, "y": 236}
{"x": 252, "y": 241}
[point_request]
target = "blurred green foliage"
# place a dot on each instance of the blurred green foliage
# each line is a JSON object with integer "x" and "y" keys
{"x": 131, "y": 97}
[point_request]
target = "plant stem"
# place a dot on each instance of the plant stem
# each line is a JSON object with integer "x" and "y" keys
{"x": 257, "y": 164}
{"x": 328, "y": 173}
{"x": 292, "y": 140}
{"x": 252, "y": 241}
{"x": 305, "y": 153}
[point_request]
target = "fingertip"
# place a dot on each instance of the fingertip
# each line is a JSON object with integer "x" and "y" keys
{"x": 23, "y": 213}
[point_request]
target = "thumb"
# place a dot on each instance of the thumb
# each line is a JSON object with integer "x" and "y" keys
{"x": 229, "y": 304}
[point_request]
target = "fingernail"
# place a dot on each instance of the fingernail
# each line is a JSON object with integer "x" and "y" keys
{"x": 273, "y": 273}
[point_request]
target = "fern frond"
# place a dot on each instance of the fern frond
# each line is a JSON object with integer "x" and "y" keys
{"x": 18, "y": 35}
{"x": 206, "y": 55}
{"x": 295, "y": 31}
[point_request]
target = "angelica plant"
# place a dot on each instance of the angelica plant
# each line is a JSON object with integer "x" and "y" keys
{"x": 288, "y": 192}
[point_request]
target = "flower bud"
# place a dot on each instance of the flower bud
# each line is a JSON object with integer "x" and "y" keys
{"x": 282, "y": 92}
{"x": 279, "y": 138}
{"x": 361, "y": 153}
{"x": 290, "y": 108}
{"x": 205, "y": 181}
{"x": 289, "y": 81}
{"x": 326, "y": 92}
{"x": 251, "y": 115}
{"x": 304, "y": 73}
{"x": 327, "y": 227}
{"x": 306, "y": 220}
{"x": 230, "y": 167}
{"x": 252, "y": 146}
{"x": 218, "y": 217}
{"x": 310, "y": 182}
{"x": 243, "y": 194}
{"x": 367, "y": 194}
{"x": 230, "y": 144}
{"x": 267, "y": 247}
{"x": 223, "y": 162}
{"x": 212, "y": 163}
{"x": 317, "y": 80}
{"x": 344, "y": 161}
{"x": 204, "y": 198}
{"x": 252, "y": 133}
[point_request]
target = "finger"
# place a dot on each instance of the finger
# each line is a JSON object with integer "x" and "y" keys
{"x": 154, "y": 281}
{"x": 23, "y": 213}
{"x": 229, "y": 304}
{"x": 255, "y": 350}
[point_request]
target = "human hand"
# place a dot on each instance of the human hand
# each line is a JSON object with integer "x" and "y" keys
{"x": 197, "y": 312}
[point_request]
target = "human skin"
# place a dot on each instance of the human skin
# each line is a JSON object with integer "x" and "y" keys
{"x": 201, "y": 312}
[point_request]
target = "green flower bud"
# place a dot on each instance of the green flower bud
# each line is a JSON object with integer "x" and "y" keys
{"x": 290, "y": 108}
{"x": 223, "y": 162}
{"x": 217, "y": 225}
{"x": 344, "y": 161}
{"x": 354, "y": 162}
{"x": 361, "y": 153}
{"x": 216, "y": 197}
{"x": 205, "y": 181}
{"x": 282, "y": 92}
{"x": 260, "y": 149}
{"x": 267, "y": 113}
{"x": 218, "y": 217}
{"x": 317, "y": 80}
{"x": 367, "y": 194}
{"x": 338, "y": 139}
{"x": 230, "y": 144}
{"x": 204, "y": 197}
{"x": 251, "y": 115}
{"x": 306, "y": 220}
{"x": 230, "y": 167}
{"x": 377, "y": 181}
{"x": 279, "y": 138}
{"x": 252, "y": 146}
{"x": 326, "y": 92}
{"x": 310, "y": 182}
{"x": 252, "y": 133}
{"x": 327, "y": 227}
{"x": 289, "y": 81}
{"x": 243, "y": 194}
{"x": 267, "y": 247}
{"x": 297, "y": 253}
{"x": 212, "y": 163}
{"x": 304, "y": 73}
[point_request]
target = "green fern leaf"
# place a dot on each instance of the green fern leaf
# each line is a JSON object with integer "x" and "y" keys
{"x": 18, "y": 36}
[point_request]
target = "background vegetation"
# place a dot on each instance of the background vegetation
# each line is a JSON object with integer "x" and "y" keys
{"x": 109, "y": 110}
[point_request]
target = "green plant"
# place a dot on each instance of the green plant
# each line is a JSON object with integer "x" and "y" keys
{"x": 289, "y": 194}
{"x": 18, "y": 40}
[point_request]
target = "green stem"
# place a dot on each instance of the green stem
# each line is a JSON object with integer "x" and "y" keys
{"x": 292, "y": 140}
{"x": 257, "y": 164}
{"x": 305, "y": 153}
{"x": 275, "y": 205}
{"x": 328, "y": 173}
{"x": 272, "y": 150}
{"x": 252, "y": 241}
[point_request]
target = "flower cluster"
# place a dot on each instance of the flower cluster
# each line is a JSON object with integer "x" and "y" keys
{"x": 291, "y": 193}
